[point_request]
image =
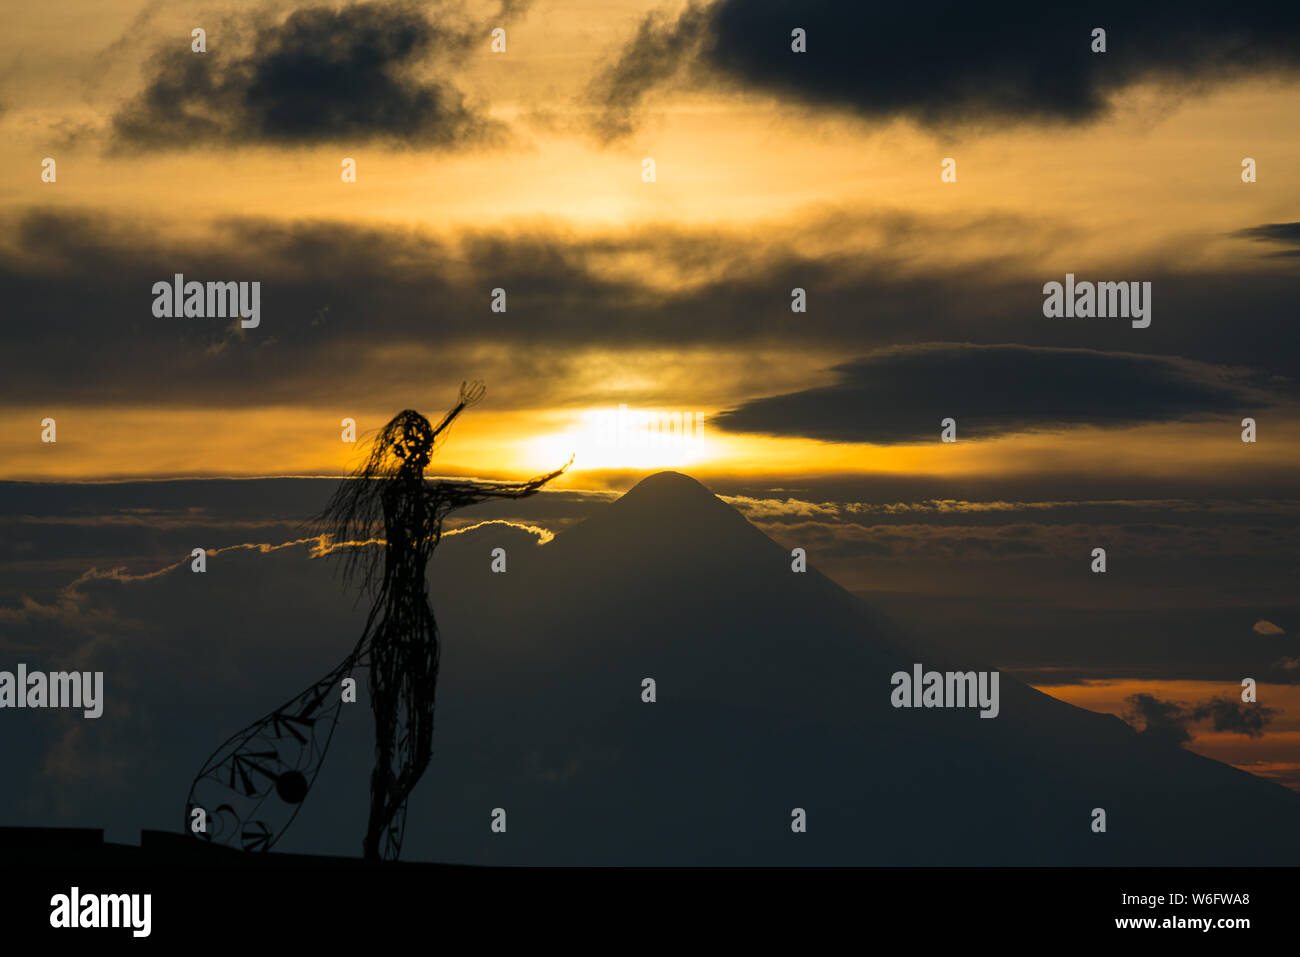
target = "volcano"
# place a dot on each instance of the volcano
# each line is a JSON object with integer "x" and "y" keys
{"x": 772, "y": 697}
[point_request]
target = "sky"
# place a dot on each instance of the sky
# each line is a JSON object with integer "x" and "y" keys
{"x": 669, "y": 301}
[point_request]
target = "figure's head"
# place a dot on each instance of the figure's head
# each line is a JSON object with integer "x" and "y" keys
{"x": 409, "y": 436}
{"x": 396, "y": 461}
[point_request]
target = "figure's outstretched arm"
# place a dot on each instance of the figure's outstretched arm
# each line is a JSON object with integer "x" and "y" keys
{"x": 452, "y": 494}
{"x": 471, "y": 393}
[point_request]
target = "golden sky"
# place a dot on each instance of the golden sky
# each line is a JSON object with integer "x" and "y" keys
{"x": 1154, "y": 185}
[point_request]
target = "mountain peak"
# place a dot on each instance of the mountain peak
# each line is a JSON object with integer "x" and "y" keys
{"x": 668, "y": 486}
{"x": 676, "y": 497}
{"x": 666, "y": 510}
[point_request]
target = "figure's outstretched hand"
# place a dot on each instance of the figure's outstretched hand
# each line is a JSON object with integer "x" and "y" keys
{"x": 543, "y": 479}
{"x": 471, "y": 393}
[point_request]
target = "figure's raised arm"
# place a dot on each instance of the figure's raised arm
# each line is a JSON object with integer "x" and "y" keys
{"x": 471, "y": 393}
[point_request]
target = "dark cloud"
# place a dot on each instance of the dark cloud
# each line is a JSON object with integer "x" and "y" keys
{"x": 901, "y": 394}
{"x": 1285, "y": 670}
{"x": 659, "y": 49}
{"x": 1225, "y": 714}
{"x": 1160, "y": 720}
{"x": 950, "y": 62}
{"x": 322, "y": 75}
{"x": 1170, "y": 722}
{"x": 374, "y": 311}
{"x": 1283, "y": 234}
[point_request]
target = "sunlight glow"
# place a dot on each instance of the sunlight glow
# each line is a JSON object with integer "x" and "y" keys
{"x": 626, "y": 438}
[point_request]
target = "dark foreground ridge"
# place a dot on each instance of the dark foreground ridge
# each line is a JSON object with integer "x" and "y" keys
{"x": 77, "y": 847}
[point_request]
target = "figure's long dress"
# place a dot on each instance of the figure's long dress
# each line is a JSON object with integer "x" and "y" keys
{"x": 403, "y": 658}
{"x": 252, "y": 787}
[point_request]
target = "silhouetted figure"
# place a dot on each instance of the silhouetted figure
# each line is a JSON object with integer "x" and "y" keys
{"x": 255, "y": 783}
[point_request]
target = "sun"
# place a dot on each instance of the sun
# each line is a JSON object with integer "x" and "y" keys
{"x": 626, "y": 439}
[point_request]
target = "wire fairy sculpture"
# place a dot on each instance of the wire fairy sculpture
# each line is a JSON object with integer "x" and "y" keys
{"x": 252, "y": 787}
